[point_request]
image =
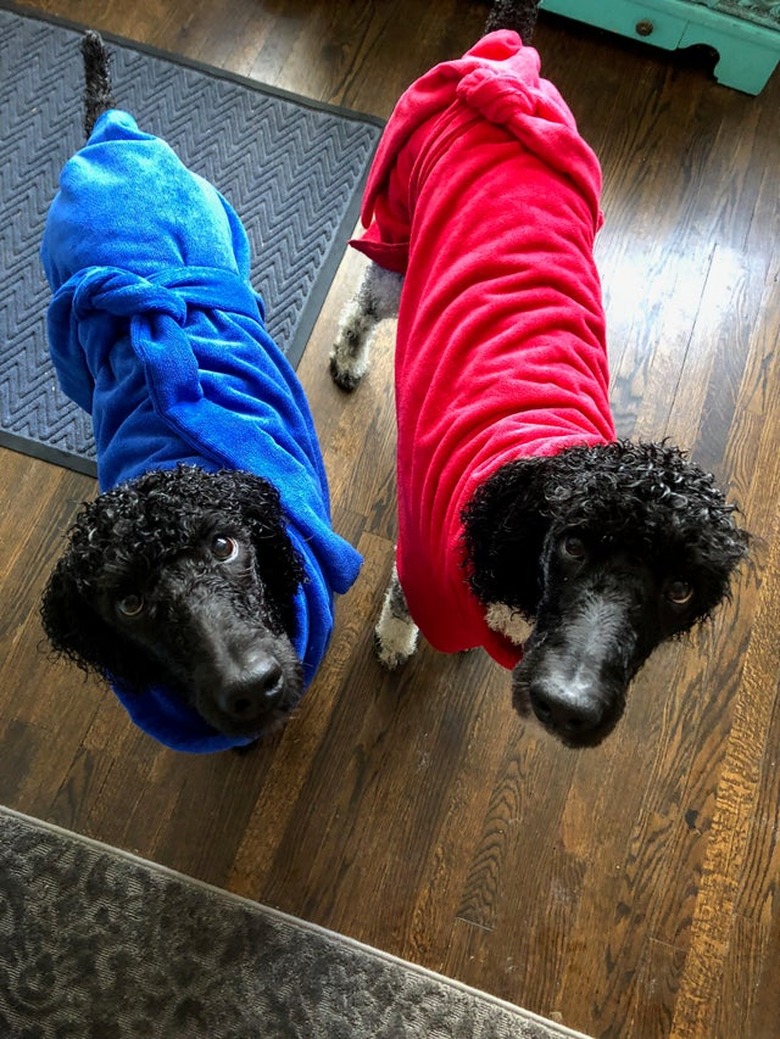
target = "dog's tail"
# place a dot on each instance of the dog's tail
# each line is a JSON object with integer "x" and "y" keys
{"x": 98, "y": 96}
{"x": 519, "y": 15}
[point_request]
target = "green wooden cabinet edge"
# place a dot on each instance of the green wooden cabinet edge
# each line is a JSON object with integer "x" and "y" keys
{"x": 748, "y": 51}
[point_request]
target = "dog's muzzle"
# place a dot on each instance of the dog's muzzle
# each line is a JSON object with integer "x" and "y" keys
{"x": 574, "y": 675}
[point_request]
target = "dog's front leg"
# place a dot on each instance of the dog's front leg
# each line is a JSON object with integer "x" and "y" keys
{"x": 376, "y": 299}
{"x": 395, "y": 636}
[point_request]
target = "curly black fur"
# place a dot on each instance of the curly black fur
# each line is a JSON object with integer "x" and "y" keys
{"x": 633, "y": 536}
{"x": 151, "y": 539}
{"x": 98, "y": 93}
{"x": 519, "y": 15}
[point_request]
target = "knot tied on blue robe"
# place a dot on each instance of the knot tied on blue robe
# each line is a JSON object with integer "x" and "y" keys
{"x": 155, "y": 330}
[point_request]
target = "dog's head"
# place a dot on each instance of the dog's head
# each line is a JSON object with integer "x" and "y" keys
{"x": 609, "y": 551}
{"x": 184, "y": 579}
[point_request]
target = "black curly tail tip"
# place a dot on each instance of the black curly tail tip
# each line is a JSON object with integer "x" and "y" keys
{"x": 519, "y": 15}
{"x": 98, "y": 97}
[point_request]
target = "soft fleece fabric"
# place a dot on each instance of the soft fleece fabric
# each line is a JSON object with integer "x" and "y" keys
{"x": 155, "y": 330}
{"x": 485, "y": 197}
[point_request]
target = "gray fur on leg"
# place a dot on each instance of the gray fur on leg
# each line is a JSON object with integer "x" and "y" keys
{"x": 395, "y": 636}
{"x": 375, "y": 300}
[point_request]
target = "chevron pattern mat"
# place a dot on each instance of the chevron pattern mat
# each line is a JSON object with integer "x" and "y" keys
{"x": 293, "y": 170}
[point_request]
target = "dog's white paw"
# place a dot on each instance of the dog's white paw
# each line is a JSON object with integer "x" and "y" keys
{"x": 375, "y": 300}
{"x": 349, "y": 360}
{"x": 395, "y": 642}
{"x": 395, "y": 636}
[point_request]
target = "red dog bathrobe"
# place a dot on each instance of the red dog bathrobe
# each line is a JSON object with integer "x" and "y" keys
{"x": 485, "y": 197}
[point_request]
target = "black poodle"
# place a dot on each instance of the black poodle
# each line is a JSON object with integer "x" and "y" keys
{"x": 184, "y": 579}
{"x": 517, "y": 503}
{"x": 200, "y": 583}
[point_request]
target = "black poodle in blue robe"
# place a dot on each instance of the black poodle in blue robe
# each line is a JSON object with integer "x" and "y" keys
{"x": 155, "y": 331}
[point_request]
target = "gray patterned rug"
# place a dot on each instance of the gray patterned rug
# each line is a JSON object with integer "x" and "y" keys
{"x": 95, "y": 943}
{"x": 293, "y": 169}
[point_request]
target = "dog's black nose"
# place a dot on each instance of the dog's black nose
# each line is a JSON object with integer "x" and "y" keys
{"x": 570, "y": 715}
{"x": 257, "y": 690}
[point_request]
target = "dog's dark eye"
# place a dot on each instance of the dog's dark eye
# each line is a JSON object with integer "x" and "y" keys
{"x": 679, "y": 592}
{"x": 224, "y": 548}
{"x": 573, "y": 547}
{"x": 130, "y": 605}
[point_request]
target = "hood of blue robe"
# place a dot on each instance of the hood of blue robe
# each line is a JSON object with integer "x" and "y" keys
{"x": 154, "y": 330}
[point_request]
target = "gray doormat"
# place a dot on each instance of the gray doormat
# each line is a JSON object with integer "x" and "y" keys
{"x": 293, "y": 169}
{"x": 95, "y": 943}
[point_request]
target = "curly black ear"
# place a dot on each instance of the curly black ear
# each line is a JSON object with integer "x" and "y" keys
{"x": 76, "y": 630}
{"x": 67, "y": 619}
{"x": 504, "y": 527}
{"x": 279, "y": 565}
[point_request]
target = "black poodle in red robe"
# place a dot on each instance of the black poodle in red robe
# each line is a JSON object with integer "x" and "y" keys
{"x": 483, "y": 194}
{"x": 514, "y": 497}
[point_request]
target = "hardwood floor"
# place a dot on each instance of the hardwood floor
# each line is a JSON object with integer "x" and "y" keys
{"x": 630, "y": 891}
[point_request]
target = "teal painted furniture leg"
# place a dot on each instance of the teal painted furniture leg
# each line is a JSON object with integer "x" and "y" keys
{"x": 745, "y": 63}
{"x": 747, "y": 42}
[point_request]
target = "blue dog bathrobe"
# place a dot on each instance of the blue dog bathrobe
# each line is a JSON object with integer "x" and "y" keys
{"x": 155, "y": 331}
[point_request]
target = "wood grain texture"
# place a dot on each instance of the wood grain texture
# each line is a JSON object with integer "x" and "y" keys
{"x": 630, "y": 891}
